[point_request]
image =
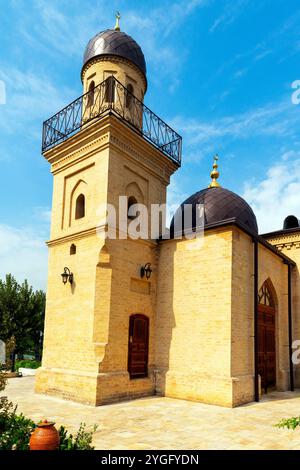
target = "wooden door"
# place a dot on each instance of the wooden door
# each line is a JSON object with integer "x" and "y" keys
{"x": 266, "y": 346}
{"x": 138, "y": 346}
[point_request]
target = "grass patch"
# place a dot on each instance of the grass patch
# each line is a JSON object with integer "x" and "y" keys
{"x": 28, "y": 364}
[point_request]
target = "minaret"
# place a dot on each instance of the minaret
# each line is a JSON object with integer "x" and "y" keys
{"x": 100, "y": 315}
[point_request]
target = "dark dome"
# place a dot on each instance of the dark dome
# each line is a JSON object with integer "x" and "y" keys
{"x": 219, "y": 205}
{"x": 290, "y": 221}
{"x": 113, "y": 42}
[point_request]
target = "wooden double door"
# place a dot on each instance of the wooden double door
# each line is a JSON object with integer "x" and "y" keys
{"x": 138, "y": 346}
{"x": 266, "y": 346}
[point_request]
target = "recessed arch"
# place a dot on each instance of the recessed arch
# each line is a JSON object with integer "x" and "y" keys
{"x": 73, "y": 249}
{"x": 129, "y": 95}
{"x": 104, "y": 257}
{"x": 267, "y": 287}
{"x": 80, "y": 206}
{"x": 109, "y": 90}
{"x": 79, "y": 188}
{"x": 91, "y": 94}
{"x": 133, "y": 189}
{"x": 131, "y": 202}
{"x": 134, "y": 196}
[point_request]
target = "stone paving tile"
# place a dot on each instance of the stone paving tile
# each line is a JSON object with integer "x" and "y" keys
{"x": 164, "y": 423}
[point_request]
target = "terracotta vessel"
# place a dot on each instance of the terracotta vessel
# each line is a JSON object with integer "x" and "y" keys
{"x": 44, "y": 437}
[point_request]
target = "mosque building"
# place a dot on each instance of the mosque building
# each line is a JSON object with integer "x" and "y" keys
{"x": 209, "y": 319}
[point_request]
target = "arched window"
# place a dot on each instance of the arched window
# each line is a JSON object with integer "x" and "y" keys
{"x": 80, "y": 207}
{"x": 109, "y": 91}
{"x": 129, "y": 95}
{"x": 73, "y": 249}
{"x": 290, "y": 222}
{"x": 91, "y": 94}
{"x": 265, "y": 296}
{"x": 131, "y": 201}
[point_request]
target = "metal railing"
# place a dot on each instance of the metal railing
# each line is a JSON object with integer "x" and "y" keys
{"x": 111, "y": 97}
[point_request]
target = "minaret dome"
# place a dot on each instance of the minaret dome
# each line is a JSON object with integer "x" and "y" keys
{"x": 113, "y": 52}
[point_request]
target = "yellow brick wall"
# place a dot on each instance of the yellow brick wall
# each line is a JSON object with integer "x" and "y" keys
{"x": 289, "y": 244}
{"x": 242, "y": 326}
{"x": 126, "y": 259}
{"x": 86, "y": 329}
{"x": 205, "y": 318}
{"x": 194, "y": 318}
{"x": 271, "y": 268}
{"x": 68, "y": 346}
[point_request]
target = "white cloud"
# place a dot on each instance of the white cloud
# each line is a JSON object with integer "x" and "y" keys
{"x": 24, "y": 254}
{"x": 277, "y": 195}
{"x": 230, "y": 13}
{"x": 275, "y": 119}
{"x": 29, "y": 96}
{"x": 55, "y": 32}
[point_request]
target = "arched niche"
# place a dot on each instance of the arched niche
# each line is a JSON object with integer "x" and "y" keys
{"x": 80, "y": 188}
{"x": 134, "y": 190}
{"x": 134, "y": 196}
{"x": 104, "y": 257}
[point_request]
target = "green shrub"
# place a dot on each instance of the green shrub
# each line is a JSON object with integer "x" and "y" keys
{"x": 81, "y": 441}
{"x": 289, "y": 423}
{"x": 15, "y": 429}
{"x": 27, "y": 363}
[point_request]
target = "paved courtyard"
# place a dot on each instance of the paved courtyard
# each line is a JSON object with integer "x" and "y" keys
{"x": 164, "y": 423}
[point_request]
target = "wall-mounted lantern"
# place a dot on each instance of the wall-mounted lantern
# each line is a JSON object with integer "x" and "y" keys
{"x": 67, "y": 276}
{"x": 146, "y": 271}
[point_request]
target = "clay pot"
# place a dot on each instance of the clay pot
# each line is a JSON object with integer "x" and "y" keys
{"x": 44, "y": 437}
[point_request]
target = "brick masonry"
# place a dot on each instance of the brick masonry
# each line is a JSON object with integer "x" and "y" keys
{"x": 199, "y": 299}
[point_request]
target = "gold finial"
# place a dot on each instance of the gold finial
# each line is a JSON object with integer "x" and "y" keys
{"x": 214, "y": 174}
{"x": 118, "y": 17}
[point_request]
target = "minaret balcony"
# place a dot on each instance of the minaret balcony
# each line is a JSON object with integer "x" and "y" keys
{"x": 111, "y": 97}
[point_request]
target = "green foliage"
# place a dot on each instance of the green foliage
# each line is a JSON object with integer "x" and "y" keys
{"x": 81, "y": 441}
{"x": 289, "y": 423}
{"x": 22, "y": 312}
{"x": 15, "y": 429}
{"x": 2, "y": 381}
{"x": 28, "y": 363}
{"x": 10, "y": 348}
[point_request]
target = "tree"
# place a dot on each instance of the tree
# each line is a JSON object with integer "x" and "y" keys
{"x": 21, "y": 316}
{"x": 37, "y": 322}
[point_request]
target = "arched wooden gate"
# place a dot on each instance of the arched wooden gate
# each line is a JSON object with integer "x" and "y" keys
{"x": 266, "y": 338}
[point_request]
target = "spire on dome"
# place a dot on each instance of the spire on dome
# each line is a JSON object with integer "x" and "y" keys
{"x": 118, "y": 17}
{"x": 214, "y": 174}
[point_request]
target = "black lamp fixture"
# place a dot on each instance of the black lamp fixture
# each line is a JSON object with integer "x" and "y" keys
{"x": 67, "y": 276}
{"x": 146, "y": 271}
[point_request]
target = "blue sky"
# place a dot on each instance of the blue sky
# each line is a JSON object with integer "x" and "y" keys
{"x": 219, "y": 71}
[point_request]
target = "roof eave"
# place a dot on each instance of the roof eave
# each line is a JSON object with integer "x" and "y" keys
{"x": 255, "y": 236}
